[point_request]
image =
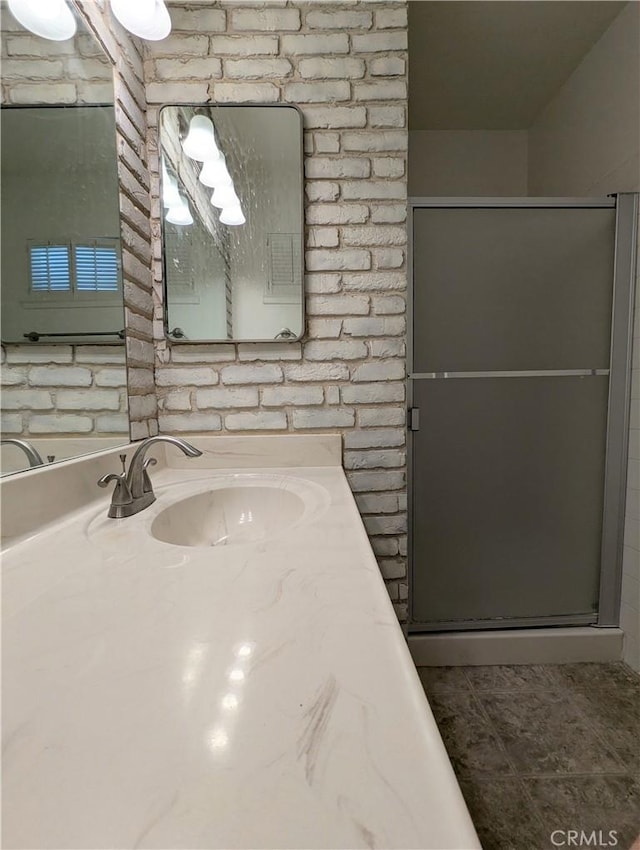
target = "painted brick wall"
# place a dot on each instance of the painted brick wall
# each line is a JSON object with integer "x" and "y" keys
{"x": 35, "y": 70}
{"x": 345, "y": 65}
{"x": 135, "y": 207}
{"x": 64, "y": 389}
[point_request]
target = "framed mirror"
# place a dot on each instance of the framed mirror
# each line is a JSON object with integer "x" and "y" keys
{"x": 233, "y": 223}
{"x": 62, "y": 328}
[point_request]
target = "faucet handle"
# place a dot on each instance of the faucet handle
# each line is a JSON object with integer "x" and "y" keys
{"x": 121, "y": 492}
{"x": 146, "y": 481}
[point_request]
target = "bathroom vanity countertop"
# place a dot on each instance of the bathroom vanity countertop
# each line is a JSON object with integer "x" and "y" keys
{"x": 248, "y": 696}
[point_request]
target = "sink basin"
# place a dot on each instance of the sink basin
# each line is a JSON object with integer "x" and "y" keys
{"x": 227, "y": 516}
{"x": 219, "y": 509}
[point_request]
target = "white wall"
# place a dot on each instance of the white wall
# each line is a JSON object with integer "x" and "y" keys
{"x": 467, "y": 163}
{"x": 586, "y": 140}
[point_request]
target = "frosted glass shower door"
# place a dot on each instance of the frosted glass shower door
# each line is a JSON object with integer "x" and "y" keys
{"x": 512, "y": 317}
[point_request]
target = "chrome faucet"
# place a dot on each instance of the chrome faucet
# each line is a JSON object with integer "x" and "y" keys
{"x": 133, "y": 491}
{"x": 27, "y": 448}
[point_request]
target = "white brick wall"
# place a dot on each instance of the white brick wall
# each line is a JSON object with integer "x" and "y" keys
{"x": 65, "y": 389}
{"x": 125, "y": 54}
{"x": 345, "y": 65}
{"x": 35, "y": 71}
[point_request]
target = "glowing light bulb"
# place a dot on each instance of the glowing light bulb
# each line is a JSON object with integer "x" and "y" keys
{"x": 215, "y": 173}
{"x": 232, "y": 216}
{"x": 180, "y": 214}
{"x": 47, "y": 9}
{"x": 148, "y": 19}
{"x": 225, "y": 196}
{"x": 52, "y": 19}
{"x": 170, "y": 194}
{"x": 200, "y": 142}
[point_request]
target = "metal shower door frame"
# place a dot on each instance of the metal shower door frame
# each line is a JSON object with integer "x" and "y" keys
{"x": 618, "y": 406}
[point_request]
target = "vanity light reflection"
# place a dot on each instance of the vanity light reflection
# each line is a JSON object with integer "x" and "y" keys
{"x": 224, "y": 196}
{"x": 230, "y": 702}
{"x": 193, "y": 668}
{"x": 170, "y": 193}
{"x": 215, "y": 173}
{"x": 200, "y": 145}
{"x": 232, "y": 216}
{"x": 180, "y": 214}
{"x": 219, "y": 736}
{"x": 218, "y": 739}
{"x": 178, "y": 211}
{"x": 200, "y": 142}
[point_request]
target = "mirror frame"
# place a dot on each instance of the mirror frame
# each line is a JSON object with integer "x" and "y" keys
{"x": 165, "y": 311}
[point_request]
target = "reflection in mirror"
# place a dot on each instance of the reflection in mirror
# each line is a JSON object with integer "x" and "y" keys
{"x": 232, "y": 222}
{"x": 63, "y": 356}
{"x": 60, "y": 223}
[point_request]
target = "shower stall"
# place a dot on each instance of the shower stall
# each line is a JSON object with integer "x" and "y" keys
{"x": 519, "y": 385}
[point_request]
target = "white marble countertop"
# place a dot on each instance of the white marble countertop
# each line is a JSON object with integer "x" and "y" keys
{"x": 249, "y": 696}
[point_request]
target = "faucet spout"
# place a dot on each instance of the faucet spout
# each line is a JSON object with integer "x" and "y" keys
{"x": 31, "y": 453}
{"x": 136, "y": 476}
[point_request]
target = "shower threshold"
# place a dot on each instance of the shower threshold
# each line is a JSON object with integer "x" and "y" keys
{"x": 549, "y": 645}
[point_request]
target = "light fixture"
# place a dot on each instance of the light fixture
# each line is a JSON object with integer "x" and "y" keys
{"x": 51, "y": 19}
{"x": 200, "y": 143}
{"x": 148, "y": 19}
{"x": 215, "y": 173}
{"x": 170, "y": 194}
{"x": 225, "y": 196}
{"x": 232, "y": 216}
{"x": 180, "y": 214}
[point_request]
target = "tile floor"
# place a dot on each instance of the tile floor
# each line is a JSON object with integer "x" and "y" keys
{"x": 543, "y": 748}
